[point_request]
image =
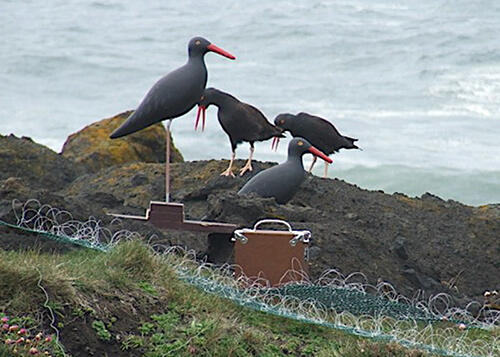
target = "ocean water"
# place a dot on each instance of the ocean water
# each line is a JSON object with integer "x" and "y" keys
{"x": 418, "y": 82}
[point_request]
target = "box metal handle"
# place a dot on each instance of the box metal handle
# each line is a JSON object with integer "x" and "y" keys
{"x": 279, "y": 221}
{"x": 299, "y": 236}
{"x": 238, "y": 235}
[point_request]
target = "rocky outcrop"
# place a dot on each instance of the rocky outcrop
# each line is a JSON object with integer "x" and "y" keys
{"x": 31, "y": 171}
{"x": 35, "y": 164}
{"x": 93, "y": 148}
{"x": 415, "y": 243}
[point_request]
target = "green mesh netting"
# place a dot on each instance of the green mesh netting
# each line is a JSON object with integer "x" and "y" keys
{"x": 58, "y": 238}
{"x": 354, "y": 301}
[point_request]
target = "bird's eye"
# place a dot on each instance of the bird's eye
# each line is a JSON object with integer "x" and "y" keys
{"x": 282, "y": 121}
{"x": 197, "y": 42}
{"x": 300, "y": 143}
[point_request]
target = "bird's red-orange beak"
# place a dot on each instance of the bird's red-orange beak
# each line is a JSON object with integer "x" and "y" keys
{"x": 320, "y": 154}
{"x": 274, "y": 144}
{"x": 214, "y": 48}
{"x": 201, "y": 110}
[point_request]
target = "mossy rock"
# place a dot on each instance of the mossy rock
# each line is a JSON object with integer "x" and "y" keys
{"x": 93, "y": 148}
{"x": 35, "y": 165}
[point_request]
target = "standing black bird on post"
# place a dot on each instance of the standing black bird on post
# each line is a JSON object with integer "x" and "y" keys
{"x": 173, "y": 95}
{"x": 318, "y": 131}
{"x": 240, "y": 121}
{"x": 282, "y": 181}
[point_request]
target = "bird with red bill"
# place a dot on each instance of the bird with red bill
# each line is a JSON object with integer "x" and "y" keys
{"x": 282, "y": 181}
{"x": 241, "y": 122}
{"x": 318, "y": 131}
{"x": 173, "y": 95}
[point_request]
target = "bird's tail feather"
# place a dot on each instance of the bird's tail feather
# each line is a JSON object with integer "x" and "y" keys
{"x": 351, "y": 143}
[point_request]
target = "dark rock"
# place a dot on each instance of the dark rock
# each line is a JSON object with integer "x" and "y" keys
{"x": 220, "y": 248}
{"x": 416, "y": 243}
{"x": 419, "y": 280}
{"x": 415, "y": 278}
{"x": 399, "y": 247}
{"x": 13, "y": 239}
{"x": 430, "y": 197}
{"x": 103, "y": 198}
{"x": 139, "y": 179}
{"x": 314, "y": 251}
{"x": 6, "y": 210}
{"x": 36, "y": 165}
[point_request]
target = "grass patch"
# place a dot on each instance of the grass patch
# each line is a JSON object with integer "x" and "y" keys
{"x": 130, "y": 302}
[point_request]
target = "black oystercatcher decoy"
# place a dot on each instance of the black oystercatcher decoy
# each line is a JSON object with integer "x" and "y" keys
{"x": 174, "y": 94}
{"x": 240, "y": 121}
{"x": 282, "y": 181}
{"x": 318, "y": 131}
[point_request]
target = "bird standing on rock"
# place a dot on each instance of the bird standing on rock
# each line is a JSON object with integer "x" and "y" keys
{"x": 282, "y": 181}
{"x": 174, "y": 94}
{"x": 318, "y": 131}
{"x": 240, "y": 121}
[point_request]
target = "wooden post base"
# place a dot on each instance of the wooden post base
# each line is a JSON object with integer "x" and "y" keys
{"x": 171, "y": 216}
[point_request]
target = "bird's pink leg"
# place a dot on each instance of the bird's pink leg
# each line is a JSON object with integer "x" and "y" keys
{"x": 312, "y": 164}
{"x": 200, "y": 108}
{"x": 248, "y": 165}
{"x": 274, "y": 144}
{"x": 203, "y": 120}
{"x": 229, "y": 171}
{"x": 326, "y": 169}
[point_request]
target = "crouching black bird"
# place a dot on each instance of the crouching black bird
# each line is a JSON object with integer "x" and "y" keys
{"x": 318, "y": 131}
{"x": 283, "y": 181}
{"x": 240, "y": 121}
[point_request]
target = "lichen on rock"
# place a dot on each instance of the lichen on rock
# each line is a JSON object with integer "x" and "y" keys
{"x": 37, "y": 165}
{"x": 93, "y": 148}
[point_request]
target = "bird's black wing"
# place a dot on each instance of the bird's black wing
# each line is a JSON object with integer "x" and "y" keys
{"x": 258, "y": 127}
{"x": 171, "y": 96}
{"x": 322, "y": 134}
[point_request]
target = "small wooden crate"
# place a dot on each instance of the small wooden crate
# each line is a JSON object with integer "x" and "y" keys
{"x": 278, "y": 257}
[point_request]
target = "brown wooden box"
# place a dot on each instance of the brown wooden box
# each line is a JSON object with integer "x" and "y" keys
{"x": 276, "y": 256}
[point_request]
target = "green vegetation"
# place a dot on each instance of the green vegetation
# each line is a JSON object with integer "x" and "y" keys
{"x": 101, "y": 330}
{"x": 129, "y": 301}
